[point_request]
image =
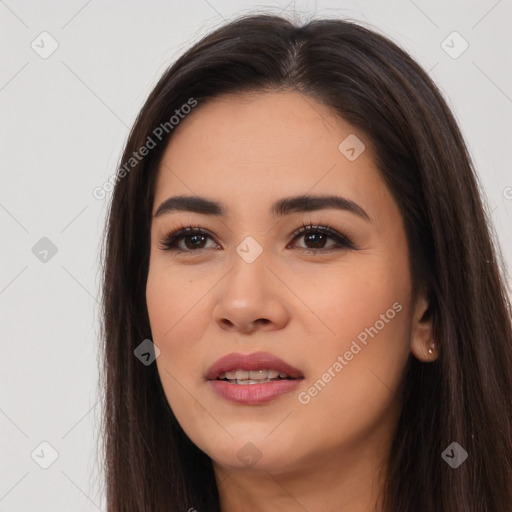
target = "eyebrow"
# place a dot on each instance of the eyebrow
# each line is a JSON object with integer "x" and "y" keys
{"x": 282, "y": 207}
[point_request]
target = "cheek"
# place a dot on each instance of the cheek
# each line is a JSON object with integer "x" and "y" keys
{"x": 163, "y": 308}
{"x": 179, "y": 315}
{"x": 174, "y": 314}
{"x": 173, "y": 299}
{"x": 357, "y": 363}
{"x": 338, "y": 303}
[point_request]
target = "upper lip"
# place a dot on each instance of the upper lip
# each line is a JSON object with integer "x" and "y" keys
{"x": 254, "y": 361}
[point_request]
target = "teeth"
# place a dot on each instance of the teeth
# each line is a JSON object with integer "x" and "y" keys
{"x": 263, "y": 374}
{"x": 252, "y": 376}
{"x": 241, "y": 375}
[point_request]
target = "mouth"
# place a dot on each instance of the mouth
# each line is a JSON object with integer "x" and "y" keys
{"x": 253, "y": 376}
{"x": 253, "y": 379}
{"x": 256, "y": 368}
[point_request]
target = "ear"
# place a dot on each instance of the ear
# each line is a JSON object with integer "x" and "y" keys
{"x": 423, "y": 345}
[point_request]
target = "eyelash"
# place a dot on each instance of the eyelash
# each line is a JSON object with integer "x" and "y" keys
{"x": 168, "y": 244}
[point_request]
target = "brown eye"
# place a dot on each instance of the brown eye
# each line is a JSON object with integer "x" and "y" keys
{"x": 194, "y": 239}
{"x": 315, "y": 238}
{"x": 190, "y": 239}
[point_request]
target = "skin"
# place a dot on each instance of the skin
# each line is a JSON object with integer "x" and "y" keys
{"x": 247, "y": 151}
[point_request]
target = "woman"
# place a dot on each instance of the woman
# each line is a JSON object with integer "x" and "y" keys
{"x": 296, "y": 235}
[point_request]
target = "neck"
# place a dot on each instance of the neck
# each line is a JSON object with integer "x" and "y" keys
{"x": 343, "y": 480}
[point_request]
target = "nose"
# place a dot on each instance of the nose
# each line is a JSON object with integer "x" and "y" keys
{"x": 251, "y": 298}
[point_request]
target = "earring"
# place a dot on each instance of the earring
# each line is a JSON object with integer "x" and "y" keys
{"x": 432, "y": 348}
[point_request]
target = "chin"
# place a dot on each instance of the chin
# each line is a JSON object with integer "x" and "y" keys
{"x": 252, "y": 453}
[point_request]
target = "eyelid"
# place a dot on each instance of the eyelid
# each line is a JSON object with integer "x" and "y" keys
{"x": 182, "y": 232}
{"x": 325, "y": 229}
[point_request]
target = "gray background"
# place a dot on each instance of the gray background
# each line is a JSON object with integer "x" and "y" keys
{"x": 64, "y": 119}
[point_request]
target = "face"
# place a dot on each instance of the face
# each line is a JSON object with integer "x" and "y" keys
{"x": 323, "y": 287}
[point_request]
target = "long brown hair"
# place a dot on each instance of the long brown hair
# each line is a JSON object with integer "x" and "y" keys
{"x": 464, "y": 397}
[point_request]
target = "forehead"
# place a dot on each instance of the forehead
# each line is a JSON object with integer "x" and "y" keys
{"x": 251, "y": 147}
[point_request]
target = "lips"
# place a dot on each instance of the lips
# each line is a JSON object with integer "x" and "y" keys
{"x": 231, "y": 378}
{"x": 248, "y": 362}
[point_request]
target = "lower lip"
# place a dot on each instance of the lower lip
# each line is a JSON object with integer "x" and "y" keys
{"x": 252, "y": 394}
